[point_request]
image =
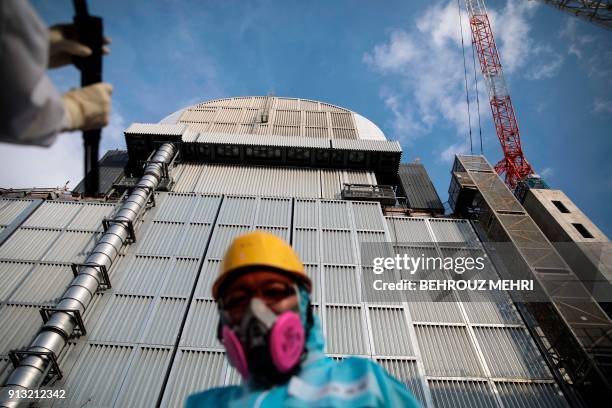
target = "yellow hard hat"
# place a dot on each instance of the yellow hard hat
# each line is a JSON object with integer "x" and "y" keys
{"x": 260, "y": 249}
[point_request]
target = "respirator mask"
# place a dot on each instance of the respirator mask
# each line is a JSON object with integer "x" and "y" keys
{"x": 264, "y": 347}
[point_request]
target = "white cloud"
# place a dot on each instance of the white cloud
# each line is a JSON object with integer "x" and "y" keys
{"x": 575, "y": 40}
{"x": 426, "y": 66}
{"x": 602, "y": 105}
{"x": 511, "y": 29}
{"x": 598, "y": 61}
{"x": 392, "y": 56}
{"x": 547, "y": 63}
{"x": 32, "y": 166}
{"x": 547, "y": 172}
{"x": 448, "y": 154}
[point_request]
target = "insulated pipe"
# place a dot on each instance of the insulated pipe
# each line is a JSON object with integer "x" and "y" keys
{"x": 54, "y": 334}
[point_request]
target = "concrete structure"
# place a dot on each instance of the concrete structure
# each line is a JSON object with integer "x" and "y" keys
{"x": 559, "y": 218}
{"x": 250, "y": 163}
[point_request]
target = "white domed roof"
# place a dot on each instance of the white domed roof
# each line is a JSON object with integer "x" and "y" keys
{"x": 272, "y": 115}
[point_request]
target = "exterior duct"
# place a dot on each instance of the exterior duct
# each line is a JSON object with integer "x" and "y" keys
{"x": 41, "y": 356}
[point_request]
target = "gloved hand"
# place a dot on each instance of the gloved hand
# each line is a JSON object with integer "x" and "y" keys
{"x": 64, "y": 44}
{"x": 88, "y": 107}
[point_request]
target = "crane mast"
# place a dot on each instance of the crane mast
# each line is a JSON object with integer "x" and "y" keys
{"x": 514, "y": 166}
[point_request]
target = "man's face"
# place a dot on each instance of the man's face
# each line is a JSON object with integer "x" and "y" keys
{"x": 276, "y": 290}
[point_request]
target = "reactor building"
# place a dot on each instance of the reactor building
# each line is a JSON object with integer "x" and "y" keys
{"x": 109, "y": 297}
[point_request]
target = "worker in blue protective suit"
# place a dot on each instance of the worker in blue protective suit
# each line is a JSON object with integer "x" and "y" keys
{"x": 274, "y": 341}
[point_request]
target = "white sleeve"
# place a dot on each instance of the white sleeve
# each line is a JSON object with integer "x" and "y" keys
{"x": 31, "y": 108}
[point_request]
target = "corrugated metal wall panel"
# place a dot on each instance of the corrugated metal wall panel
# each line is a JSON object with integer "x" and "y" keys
{"x": 195, "y": 239}
{"x": 337, "y": 247}
{"x": 176, "y": 207}
{"x": 510, "y": 353}
{"x": 492, "y": 313}
{"x": 314, "y": 275}
{"x": 330, "y": 184}
{"x": 161, "y": 238}
{"x": 9, "y": 209}
{"x": 406, "y": 371}
{"x": 287, "y": 103}
{"x": 19, "y": 326}
{"x": 367, "y": 145}
{"x": 28, "y": 244}
{"x": 193, "y": 371}
{"x": 356, "y": 177}
{"x": 287, "y": 117}
{"x": 452, "y": 230}
{"x": 237, "y": 210}
{"x": 418, "y": 188}
{"x": 404, "y": 229}
{"x": 447, "y": 351}
{"x": 274, "y": 212}
{"x": 186, "y": 182}
{"x": 278, "y": 231}
{"x": 341, "y": 284}
{"x": 234, "y": 377}
{"x": 44, "y": 284}
{"x": 90, "y": 217}
{"x": 334, "y": 214}
{"x": 368, "y": 215}
{"x": 306, "y": 244}
{"x": 201, "y": 325}
{"x": 390, "y": 332}
{"x": 141, "y": 275}
{"x": 317, "y": 119}
{"x": 180, "y": 279}
{"x": 230, "y": 179}
{"x": 122, "y": 319}
{"x": 204, "y": 208}
{"x": 71, "y": 246}
{"x": 316, "y": 132}
{"x": 156, "y": 129}
{"x": 345, "y": 333}
{"x": 302, "y": 183}
{"x": 144, "y": 379}
{"x": 306, "y": 213}
{"x": 341, "y": 120}
{"x": 340, "y": 133}
{"x": 526, "y": 395}
{"x": 425, "y": 311}
{"x": 210, "y": 270}
{"x": 11, "y": 275}
{"x": 52, "y": 214}
{"x": 96, "y": 377}
{"x": 165, "y": 321}
{"x": 461, "y": 394}
{"x": 222, "y": 237}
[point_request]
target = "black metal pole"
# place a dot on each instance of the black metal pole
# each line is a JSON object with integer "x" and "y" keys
{"x": 90, "y": 33}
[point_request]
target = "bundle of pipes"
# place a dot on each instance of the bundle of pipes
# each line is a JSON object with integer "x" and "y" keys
{"x": 54, "y": 334}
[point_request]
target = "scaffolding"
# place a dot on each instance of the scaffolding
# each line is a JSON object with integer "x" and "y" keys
{"x": 572, "y": 328}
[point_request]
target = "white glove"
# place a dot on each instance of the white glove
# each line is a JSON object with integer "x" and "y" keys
{"x": 64, "y": 44}
{"x": 87, "y": 108}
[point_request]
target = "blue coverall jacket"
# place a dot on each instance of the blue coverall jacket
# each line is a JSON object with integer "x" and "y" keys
{"x": 322, "y": 382}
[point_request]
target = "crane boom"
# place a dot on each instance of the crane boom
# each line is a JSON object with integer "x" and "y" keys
{"x": 514, "y": 166}
{"x": 594, "y": 11}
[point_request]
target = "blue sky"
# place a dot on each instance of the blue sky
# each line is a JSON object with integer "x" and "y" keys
{"x": 398, "y": 63}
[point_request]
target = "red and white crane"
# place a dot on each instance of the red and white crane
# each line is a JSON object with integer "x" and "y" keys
{"x": 514, "y": 166}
